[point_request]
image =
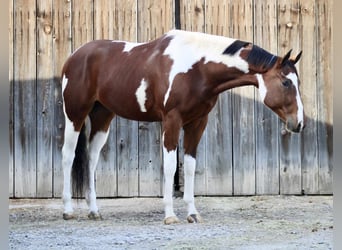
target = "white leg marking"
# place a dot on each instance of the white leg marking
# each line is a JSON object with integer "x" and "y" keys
{"x": 189, "y": 176}
{"x": 95, "y": 147}
{"x": 170, "y": 161}
{"x": 300, "y": 113}
{"x": 141, "y": 95}
{"x": 68, "y": 154}
{"x": 262, "y": 87}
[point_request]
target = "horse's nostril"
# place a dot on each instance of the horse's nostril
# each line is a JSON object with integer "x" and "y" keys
{"x": 300, "y": 127}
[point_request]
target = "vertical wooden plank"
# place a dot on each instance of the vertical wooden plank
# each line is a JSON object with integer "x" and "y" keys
{"x": 127, "y": 158}
{"x": 219, "y": 129}
{"x": 24, "y": 98}
{"x": 104, "y": 19}
{"x": 243, "y": 108}
{"x": 266, "y": 122}
{"x": 11, "y": 112}
{"x": 154, "y": 19}
{"x": 82, "y": 22}
{"x": 192, "y": 15}
{"x": 192, "y": 18}
{"x": 61, "y": 50}
{"x": 290, "y": 149}
{"x": 324, "y": 92}
{"x": 309, "y": 164}
{"x": 106, "y": 170}
{"x": 218, "y": 17}
{"x": 45, "y": 97}
{"x": 219, "y": 149}
{"x": 125, "y": 26}
{"x": 150, "y": 159}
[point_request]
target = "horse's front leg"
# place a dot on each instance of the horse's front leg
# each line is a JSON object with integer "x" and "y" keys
{"x": 192, "y": 135}
{"x": 170, "y": 164}
{"x": 171, "y": 129}
{"x": 189, "y": 178}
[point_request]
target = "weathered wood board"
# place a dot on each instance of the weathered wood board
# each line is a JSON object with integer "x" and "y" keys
{"x": 242, "y": 151}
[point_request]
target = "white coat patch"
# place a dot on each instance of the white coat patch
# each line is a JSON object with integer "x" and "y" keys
{"x": 187, "y": 48}
{"x": 64, "y": 82}
{"x": 261, "y": 87}
{"x": 129, "y": 46}
{"x": 300, "y": 113}
{"x": 141, "y": 95}
{"x": 69, "y": 126}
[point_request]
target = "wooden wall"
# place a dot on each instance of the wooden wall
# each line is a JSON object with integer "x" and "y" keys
{"x": 242, "y": 151}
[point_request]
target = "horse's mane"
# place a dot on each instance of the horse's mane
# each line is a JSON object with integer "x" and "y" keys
{"x": 257, "y": 57}
{"x": 262, "y": 58}
{"x": 235, "y": 47}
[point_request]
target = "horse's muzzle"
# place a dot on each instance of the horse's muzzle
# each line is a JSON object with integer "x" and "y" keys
{"x": 294, "y": 127}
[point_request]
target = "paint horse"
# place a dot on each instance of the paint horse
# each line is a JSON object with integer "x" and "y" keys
{"x": 175, "y": 79}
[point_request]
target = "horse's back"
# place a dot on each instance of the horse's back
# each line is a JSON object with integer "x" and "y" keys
{"x": 120, "y": 75}
{"x": 90, "y": 54}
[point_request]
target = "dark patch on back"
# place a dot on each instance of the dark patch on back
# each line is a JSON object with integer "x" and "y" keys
{"x": 261, "y": 58}
{"x": 235, "y": 47}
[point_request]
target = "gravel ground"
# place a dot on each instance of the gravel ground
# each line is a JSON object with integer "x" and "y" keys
{"x": 257, "y": 222}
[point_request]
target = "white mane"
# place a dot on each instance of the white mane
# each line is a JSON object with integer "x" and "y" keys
{"x": 201, "y": 41}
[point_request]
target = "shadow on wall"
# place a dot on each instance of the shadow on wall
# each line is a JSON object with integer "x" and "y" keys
{"x": 37, "y": 123}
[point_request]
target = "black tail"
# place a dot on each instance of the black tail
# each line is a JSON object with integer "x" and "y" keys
{"x": 80, "y": 166}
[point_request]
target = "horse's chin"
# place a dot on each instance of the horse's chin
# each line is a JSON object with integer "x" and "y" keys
{"x": 293, "y": 127}
{"x": 290, "y": 127}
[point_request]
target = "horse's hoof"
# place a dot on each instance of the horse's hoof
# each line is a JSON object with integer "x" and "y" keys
{"x": 67, "y": 216}
{"x": 171, "y": 220}
{"x": 194, "y": 218}
{"x": 94, "y": 216}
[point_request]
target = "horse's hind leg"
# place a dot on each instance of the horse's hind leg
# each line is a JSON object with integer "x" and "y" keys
{"x": 100, "y": 119}
{"x": 68, "y": 154}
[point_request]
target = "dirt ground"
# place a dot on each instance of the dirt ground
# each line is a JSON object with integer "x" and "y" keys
{"x": 258, "y": 222}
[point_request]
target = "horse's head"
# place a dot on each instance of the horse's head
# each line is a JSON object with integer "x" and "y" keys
{"x": 279, "y": 89}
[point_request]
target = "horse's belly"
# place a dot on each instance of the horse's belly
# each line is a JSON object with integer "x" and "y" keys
{"x": 140, "y": 116}
{"x": 130, "y": 107}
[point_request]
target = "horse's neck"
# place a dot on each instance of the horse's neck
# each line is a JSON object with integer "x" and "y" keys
{"x": 241, "y": 80}
{"x": 222, "y": 78}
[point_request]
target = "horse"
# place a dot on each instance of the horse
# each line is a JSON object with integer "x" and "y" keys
{"x": 174, "y": 79}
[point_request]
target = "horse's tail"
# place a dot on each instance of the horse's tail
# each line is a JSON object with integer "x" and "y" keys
{"x": 80, "y": 165}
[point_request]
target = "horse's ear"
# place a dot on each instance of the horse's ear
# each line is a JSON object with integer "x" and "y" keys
{"x": 297, "y": 57}
{"x": 286, "y": 57}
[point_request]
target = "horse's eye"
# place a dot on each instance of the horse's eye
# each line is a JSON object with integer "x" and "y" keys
{"x": 286, "y": 83}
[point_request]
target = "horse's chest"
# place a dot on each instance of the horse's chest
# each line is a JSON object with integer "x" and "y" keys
{"x": 197, "y": 107}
